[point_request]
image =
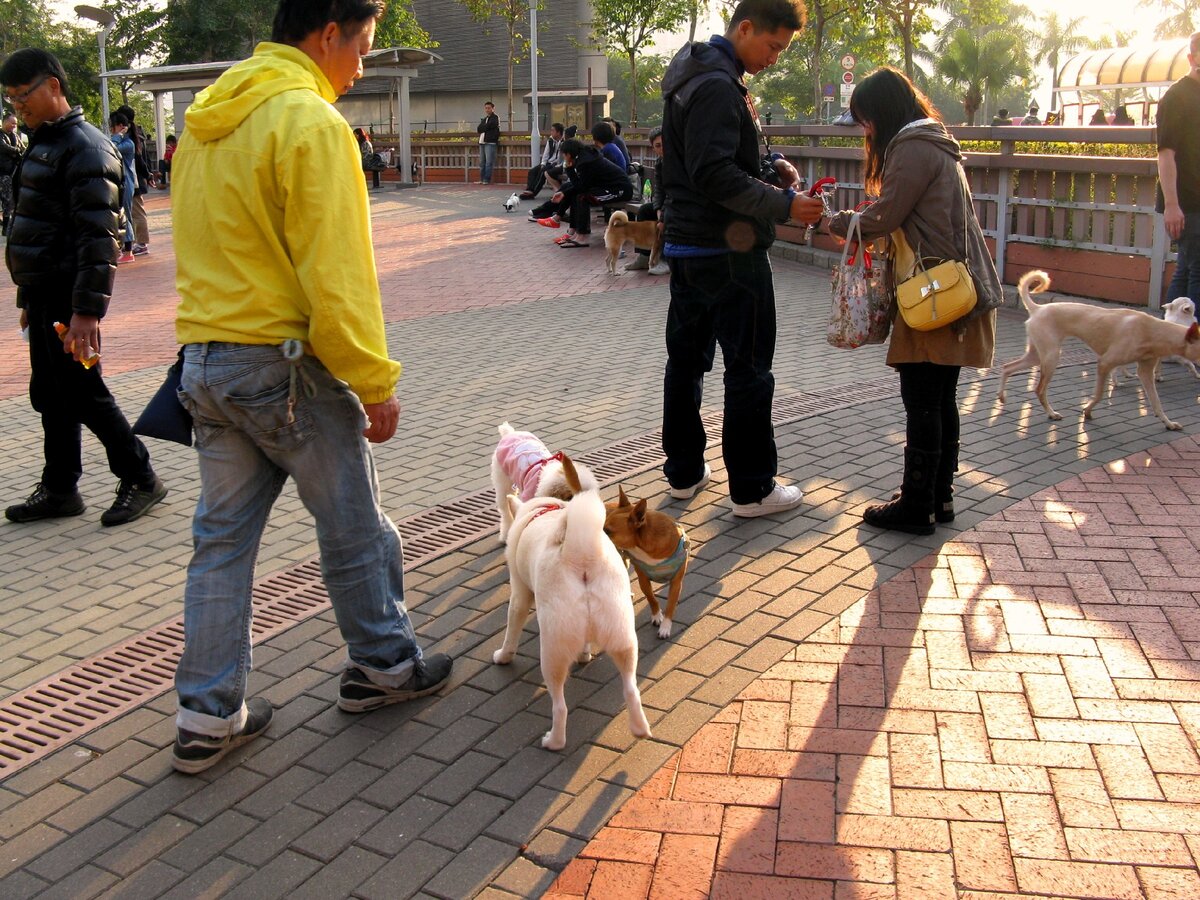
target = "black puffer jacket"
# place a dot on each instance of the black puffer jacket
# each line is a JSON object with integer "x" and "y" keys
{"x": 712, "y": 150}
{"x": 68, "y": 193}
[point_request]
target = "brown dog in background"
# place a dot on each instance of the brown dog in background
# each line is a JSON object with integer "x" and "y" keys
{"x": 643, "y": 234}
{"x": 656, "y": 546}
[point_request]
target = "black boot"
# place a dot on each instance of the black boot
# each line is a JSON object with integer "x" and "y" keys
{"x": 912, "y": 510}
{"x": 943, "y": 483}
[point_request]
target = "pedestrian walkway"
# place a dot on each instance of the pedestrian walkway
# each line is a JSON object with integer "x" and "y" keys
{"x": 451, "y": 796}
{"x": 1017, "y": 713}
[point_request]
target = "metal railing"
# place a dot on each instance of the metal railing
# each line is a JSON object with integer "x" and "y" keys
{"x": 1100, "y": 204}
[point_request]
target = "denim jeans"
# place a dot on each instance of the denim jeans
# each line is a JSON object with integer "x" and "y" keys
{"x": 1186, "y": 280}
{"x": 727, "y": 300}
{"x": 248, "y": 446}
{"x": 487, "y": 159}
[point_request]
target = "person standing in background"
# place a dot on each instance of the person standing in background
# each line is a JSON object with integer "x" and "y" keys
{"x": 12, "y": 148}
{"x": 489, "y": 141}
{"x": 1179, "y": 174}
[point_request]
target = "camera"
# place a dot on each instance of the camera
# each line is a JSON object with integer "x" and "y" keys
{"x": 767, "y": 171}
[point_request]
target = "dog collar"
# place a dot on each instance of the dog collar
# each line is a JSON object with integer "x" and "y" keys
{"x": 536, "y": 466}
{"x": 545, "y": 508}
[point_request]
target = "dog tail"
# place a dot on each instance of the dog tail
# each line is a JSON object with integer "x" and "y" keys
{"x": 619, "y": 219}
{"x": 1033, "y": 282}
{"x": 584, "y": 540}
{"x": 505, "y": 429}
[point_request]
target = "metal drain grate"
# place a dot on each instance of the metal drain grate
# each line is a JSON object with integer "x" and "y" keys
{"x": 38, "y": 720}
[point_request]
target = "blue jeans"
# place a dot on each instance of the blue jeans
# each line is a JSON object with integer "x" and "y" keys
{"x": 1186, "y": 280}
{"x": 727, "y": 300}
{"x": 248, "y": 445}
{"x": 487, "y": 159}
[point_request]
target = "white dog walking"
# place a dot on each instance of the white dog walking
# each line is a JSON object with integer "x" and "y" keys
{"x": 558, "y": 553}
{"x": 1117, "y": 336}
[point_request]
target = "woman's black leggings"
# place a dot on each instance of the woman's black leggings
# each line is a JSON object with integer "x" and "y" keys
{"x": 929, "y": 392}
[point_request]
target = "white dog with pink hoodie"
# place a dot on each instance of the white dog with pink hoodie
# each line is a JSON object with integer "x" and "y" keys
{"x": 524, "y": 466}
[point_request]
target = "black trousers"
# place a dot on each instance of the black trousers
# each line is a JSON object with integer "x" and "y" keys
{"x": 536, "y": 179}
{"x": 68, "y": 396}
{"x": 726, "y": 300}
{"x": 646, "y": 213}
{"x": 929, "y": 392}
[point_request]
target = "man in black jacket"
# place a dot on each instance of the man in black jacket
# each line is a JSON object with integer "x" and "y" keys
{"x": 590, "y": 179}
{"x": 489, "y": 139}
{"x": 62, "y": 255}
{"x": 720, "y": 219}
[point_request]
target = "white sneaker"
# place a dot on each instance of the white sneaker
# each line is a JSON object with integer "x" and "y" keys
{"x": 687, "y": 493}
{"x": 660, "y": 268}
{"x": 781, "y": 499}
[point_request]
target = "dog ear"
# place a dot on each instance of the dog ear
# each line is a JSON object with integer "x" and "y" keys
{"x": 622, "y": 500}
{"x": 639, "y": 513}
{"x": 571, "y": 475}
{"x": 1193, "y": 333}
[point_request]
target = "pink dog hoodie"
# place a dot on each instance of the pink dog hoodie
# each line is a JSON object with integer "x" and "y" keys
{"x": 521, "y": 455}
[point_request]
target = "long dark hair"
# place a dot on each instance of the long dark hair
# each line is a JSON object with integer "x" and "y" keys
{"x": 888, "y": 101}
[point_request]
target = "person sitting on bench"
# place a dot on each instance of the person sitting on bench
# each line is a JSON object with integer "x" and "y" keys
{"x": 590, "y": 179}
{"x": 551, "y": 158}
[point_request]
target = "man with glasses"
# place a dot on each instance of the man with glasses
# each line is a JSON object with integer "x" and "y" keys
{"x": 286, "y": 371}
{"x": 62, "y": 253}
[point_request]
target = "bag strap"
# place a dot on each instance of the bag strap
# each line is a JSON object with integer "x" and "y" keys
{"x": 854, "y": 228}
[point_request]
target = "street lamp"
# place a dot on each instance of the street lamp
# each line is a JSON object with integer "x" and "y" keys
{"x": 535, "y": 119}
{"x": 106, "y": 20}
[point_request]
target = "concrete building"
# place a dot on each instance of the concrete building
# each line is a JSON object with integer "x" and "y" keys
{"x": 449, "y": 95}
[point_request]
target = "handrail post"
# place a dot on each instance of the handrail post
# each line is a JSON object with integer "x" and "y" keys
{"x": 1158, "y": 263}
{"x": 1003, "y": 194}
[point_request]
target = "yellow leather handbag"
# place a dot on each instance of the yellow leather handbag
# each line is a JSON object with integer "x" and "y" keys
{"x": 933, "y": 297}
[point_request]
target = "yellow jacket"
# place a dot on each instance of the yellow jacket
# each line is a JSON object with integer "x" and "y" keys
{"x": 272, "y": 224}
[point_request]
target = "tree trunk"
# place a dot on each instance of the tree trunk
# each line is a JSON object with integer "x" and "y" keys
{"x": 512, "y": 50}
{"x": 694, "y": 19}
{"x": 1053, "y": 80}
{"x": 633, "y": 89}
{"x": 818, "y": 45}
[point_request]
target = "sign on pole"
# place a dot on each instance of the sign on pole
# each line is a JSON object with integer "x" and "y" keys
{"x": 847, "y": 90}
{"x": 847, "y": 78}
{"x": 848, "y": 61}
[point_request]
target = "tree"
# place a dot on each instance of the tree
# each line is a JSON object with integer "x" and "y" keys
{"x": 514, "y": 16}
{"x": 23, "y": 23}
{"x": 1057, "y": 36}
{"x": 982, "y": 64}
{"x": 649, "y": 100}
{"x": 908, "y": 20}
{"x": 399, "y": 28}
{"x": 215, "y": 30}
{"x": 1183, "y": 17}
{"x": 629, "y": 26}
{"x": 136, "y": 37}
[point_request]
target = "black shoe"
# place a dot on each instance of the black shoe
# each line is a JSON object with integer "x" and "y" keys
{"x": 133, "y": 501}
{"x": 357, "y": 693}
{"x": 196, "y": 752}
{"x": 45, "y": 504}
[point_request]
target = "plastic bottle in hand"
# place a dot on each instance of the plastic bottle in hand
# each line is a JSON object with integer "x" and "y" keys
{"x": 86, "y": 363}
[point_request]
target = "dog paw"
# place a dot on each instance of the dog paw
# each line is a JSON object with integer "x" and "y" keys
{"x": 550, "y": 743}
{"x": 584, "y": 658}
{"x": 642, "y": 730}
{"x": 664, "y": 629}
{"x": 1056, "y": 417}
{"x": 657, "y": 618}
{"x": 501, "y": 658}
{"x": 1174, "y": 426}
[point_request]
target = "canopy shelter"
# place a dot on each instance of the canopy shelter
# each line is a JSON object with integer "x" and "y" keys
{"x": 1149, "y": 67}
{"x": 396, "y": 64}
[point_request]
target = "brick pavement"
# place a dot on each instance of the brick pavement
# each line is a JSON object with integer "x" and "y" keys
{"x": 1017, "y": 714}
{"x": 451, "y": 796}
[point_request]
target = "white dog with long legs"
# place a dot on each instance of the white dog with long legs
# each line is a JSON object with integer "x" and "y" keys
{"x": 559, "y": 554}
{"x": 1118, "y": 337}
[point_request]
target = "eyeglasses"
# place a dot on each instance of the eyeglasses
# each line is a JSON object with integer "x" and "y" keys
{"x": 25, "y": 95}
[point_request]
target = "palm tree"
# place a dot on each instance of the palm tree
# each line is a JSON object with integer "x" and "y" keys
{"x": 981, "y": 65}
{"x": 1183, "y": 17}
{"x": 1058, "y": 36}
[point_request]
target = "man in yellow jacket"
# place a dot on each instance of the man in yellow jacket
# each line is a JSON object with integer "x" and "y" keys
{"x": 286, "y": 371}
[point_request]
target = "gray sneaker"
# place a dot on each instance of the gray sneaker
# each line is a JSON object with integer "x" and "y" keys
{"x": 357, "y": 693}
{"x": 660, "y": 268}
{"x": 641, "y": 263}
{"x": 196, "y": 752}
{"x": 780, "y": 499}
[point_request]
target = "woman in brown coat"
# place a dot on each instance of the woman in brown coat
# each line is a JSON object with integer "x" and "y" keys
{"x": 914, "y": 168}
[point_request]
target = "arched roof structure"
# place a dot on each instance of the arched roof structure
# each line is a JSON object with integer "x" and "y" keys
{"x": 1147, "y": 66}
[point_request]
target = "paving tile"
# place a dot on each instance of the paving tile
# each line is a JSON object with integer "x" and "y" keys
{"x": 406, "y": 872}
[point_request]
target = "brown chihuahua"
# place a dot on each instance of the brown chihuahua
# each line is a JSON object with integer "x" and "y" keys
{"x": 657, "y": 548}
